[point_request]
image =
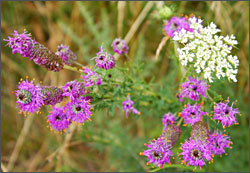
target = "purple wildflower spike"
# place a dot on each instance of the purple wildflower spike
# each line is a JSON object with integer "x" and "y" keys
{"x": 168, "y": 119}
{"x": 128, "y": 107}
{"x": 74, "y": 89}
{"x": 91, "y": 78}
{"x": 199, "y": 131}
{"x": 51, "y": 95}
{"x": 29, "y": 97}
{"x": 158, "y": 152}
{"x": 219, "y": 142}
{"x": 24, "y": 45}
{"x": 58, "y": 119}
{"x": 66, "y": 54}
{"x": 171, "y": 134}
{"x": 192, "y": 113}
{"x": 104, "y": 60}
{"x": 225, "y": 114}
{"x": 79, "y": 109}
{"x": 192, "y": 88}
{"x": 195, "y": 153}
{"x": 176, "y": 24}
{"x": 120, "y": 46}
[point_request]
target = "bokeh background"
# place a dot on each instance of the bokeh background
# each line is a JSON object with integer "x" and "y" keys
{"x": 108, "y": 143}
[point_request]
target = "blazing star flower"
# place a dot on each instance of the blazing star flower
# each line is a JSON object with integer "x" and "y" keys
{"x": 207, "y": 52}
{"x": 175, "y": 25}
{"x": 24, "y": 45}
{"x": 225, "y": 114}
{"x": 168, "y": 119}
{"x": 91, "y": 78}
{"x": 58, "y": 119}
{"x": 219, "y": 142}
{"x": 29, "y": 97}
{"x": 79, "y": 110}
{"x": 192, "y": 113}
{"x": 171, "y": 134}
{"x": 158, "y": 152}
{"x": 104, "y": 60}
{"x": 120, "y": 46}
{"x": 74, "y": 89}
{"x": 128, "y": 107}
{"x": 196, "y": 153}
{"x": 192, "y": 88}
{"x": 66, "y": 54}
{"x": 51, "y": 95}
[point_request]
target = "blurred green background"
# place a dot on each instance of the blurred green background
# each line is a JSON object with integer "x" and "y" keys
{"x": 109, "y": 143}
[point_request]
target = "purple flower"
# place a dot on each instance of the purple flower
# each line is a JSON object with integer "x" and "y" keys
{"x": 66, "y": 54}
{"x": 192, "y": 113}
{"x": 120, "y": 46}
{"x": 167, "y": 120}
{"x": 29, "y": 97}
{"x": 225, "y": 114}
{"x": 176, "y": 24}
{"x": 79, "y": 109}
{"x": 24, "y": 45}
{"x": 74, "y": 89}
{"x": 104, "y": 60}
{"x": 91, "y": 78}
{"x": 196, "y": 153}
{"x": 192, "y": 88}
{"x": 171, "y": 134}
{"x": 51, "y": 95}
{"x": 128, "y": 107}
{"x": 219, "y": 142}
{"x": 58, "y": 119}
{"x": 199, "y": 131}
{"x": 158, "y": 152}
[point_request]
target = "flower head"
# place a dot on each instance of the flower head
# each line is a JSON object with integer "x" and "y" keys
{"x": 199, "y": 131}
{"x": 128, "y": 107}
{"x": 104, "y": 60}
{"x": 219, "y": 142}
{"x": 207, "y": 52}
{"x": 74, "y": 89}
{"x": 171, "y": 134}
{"x": 158, "y": 152}
{"x": 225, "y": 114}
{"x": 66, "y": 54}
{"x": 192, "y": 88}
{"x": 195, "y": 153}
{"x": 58, "y": 119}
{"x": 192, "y": 113}
{"x": 120, "y": 46}
{"x": 51, "y": 95}
{"x": 176, "y": 24}
{"x": 79, "y": 110}
{"x": 91, "y": 78}
{"x": 41, "y": 55}
{"x": 168, "y": 119}
{"x": 29, "y": 97}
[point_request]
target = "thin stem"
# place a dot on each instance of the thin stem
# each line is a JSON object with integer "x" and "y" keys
{"x": 71, "y": 68}
{"x": 173, "y": 166}
{"x": 77, "y": 63}
{"x": 179, "y": 122}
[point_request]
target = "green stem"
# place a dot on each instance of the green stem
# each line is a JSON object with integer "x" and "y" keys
{"x": 71, "y": 68}
{"x": 173, "y": 166}
{"x": 77, "y": 63}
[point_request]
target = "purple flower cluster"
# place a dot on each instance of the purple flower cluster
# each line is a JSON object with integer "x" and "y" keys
{"x": 158, "y": 152}
{"x": 25, "y": 46}
{"x": 74, "y": 89}
{"x": 168, "y": 119}
{"x": 120, "y": 46}
{"x": 51, "y": 95}
{"x": 192, "y": 88}
{"x": 225, "y": 114}
{"x": 128, "y": 107}
{"x": 66, "y": 54}
{"x": 104, "y": 60}
{"x": 91, "y": 78}
{"x": 58, "y": 119}
{"x": 192, "y": 113}
{"x": 176, "y": 24}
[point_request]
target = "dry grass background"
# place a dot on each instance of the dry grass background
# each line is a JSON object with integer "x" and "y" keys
{"x": 28, "y": 145}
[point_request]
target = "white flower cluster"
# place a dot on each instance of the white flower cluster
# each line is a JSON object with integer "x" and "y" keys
{"x": 207, "y": 51}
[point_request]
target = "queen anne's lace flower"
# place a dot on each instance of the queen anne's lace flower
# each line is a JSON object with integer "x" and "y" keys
{"x": 207, "y": 52}
{"x": 158, "y": 152}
